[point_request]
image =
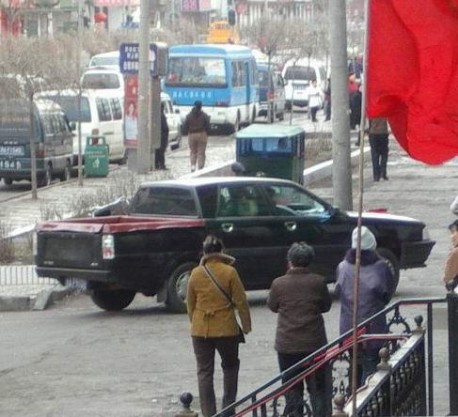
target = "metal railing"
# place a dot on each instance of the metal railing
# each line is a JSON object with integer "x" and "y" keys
{"x": 11, "y": 275}
{"x": 405, "y": 388}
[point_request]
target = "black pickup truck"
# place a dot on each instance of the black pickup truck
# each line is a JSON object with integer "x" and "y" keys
{"x": 152, "y": 249}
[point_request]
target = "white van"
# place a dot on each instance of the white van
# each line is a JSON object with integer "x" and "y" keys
{"x": 298, "y": 74}
{"x": 173, "y": 121}
{"x": 103, "y": 78}
{"x": 101, "y": 115}
{"x": 107, "y": 60}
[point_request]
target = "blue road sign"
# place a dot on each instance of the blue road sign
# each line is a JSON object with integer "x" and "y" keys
{"x": 128, "y": 58}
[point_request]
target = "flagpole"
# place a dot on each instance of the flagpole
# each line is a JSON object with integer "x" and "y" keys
{"x": 362, "y": 128}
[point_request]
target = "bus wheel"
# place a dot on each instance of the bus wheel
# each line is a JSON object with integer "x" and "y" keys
{"x": 7, "y": 181}
{"x": 253, "y": 116}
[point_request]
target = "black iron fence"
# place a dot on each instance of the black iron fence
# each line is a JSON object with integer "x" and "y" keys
{"x": 403, "y": 384}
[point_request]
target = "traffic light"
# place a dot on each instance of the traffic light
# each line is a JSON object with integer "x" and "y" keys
{"x": 231, "y": 18}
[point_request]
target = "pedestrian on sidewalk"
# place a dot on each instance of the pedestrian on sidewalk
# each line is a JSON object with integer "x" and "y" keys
{"x": 378, "y": 141}
{"x": 215, "y": 291}
{"x": 197, "y": 127}
{"x": 314, "y": 99}
{"x": 376, "y": 287}
{"x": 300, "y": 298}
{"x": 451, "y": 266}
{"x": 356, "y": 99}
{"x": 160, "y": 152}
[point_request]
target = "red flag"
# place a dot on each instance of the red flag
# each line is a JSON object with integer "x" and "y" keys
{"x": 413, "y": 74}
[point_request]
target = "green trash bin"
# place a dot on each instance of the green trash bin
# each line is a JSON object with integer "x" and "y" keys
{"x": 96, "y": 157}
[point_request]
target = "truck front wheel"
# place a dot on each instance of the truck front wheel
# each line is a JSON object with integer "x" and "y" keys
{"x": 177, "y": 287}
{"x": 112, "y": 300}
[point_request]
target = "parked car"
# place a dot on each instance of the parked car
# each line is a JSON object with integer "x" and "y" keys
{"x": 101, "y": 115}
{"x": 53, "y": 141}
{"x": 271, "y": 90}
{"x": 153, "y": 248}
{"x": 173, "y": 120}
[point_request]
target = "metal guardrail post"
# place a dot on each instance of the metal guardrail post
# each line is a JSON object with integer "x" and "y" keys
{"x": 186, "y": 399}
{"x": 452, "y": 301}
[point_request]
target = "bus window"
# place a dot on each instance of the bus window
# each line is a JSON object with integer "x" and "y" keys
{"x": 238, "y": 74}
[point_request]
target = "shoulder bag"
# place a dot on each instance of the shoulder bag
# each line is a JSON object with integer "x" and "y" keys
{"x": 241, "y": 336}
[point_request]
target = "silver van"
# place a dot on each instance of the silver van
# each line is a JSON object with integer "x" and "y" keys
{"x": 298, "y": 75}
{"x": 52, "y": 138}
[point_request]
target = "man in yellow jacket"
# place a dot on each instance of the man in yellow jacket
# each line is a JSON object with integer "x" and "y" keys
{"x": 215, "y": 291}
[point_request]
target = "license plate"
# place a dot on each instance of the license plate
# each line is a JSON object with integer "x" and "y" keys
{"x": 76, "y": 284}
{"x": 11, "y": 150}
{"x": 7, "y": 164}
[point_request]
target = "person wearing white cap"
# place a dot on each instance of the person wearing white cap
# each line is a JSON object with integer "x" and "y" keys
{"x": 376, "y": 287}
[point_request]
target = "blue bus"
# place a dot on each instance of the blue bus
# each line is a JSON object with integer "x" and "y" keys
{"x": 223, "y": 77}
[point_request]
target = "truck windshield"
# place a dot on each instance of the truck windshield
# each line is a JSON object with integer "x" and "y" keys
{"x": 163, "y": 201}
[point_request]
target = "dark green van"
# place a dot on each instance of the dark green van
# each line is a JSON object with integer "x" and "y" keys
{"x": 53, "y": 140}
{"x": 272, "y": 150}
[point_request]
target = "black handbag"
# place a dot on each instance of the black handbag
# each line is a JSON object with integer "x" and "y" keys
{"x": 241, "y": 335}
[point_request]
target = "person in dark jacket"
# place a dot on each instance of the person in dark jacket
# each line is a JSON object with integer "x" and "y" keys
{"x": 376, "y": 287}
{"x": 300, "y": 298}
{"x": 378, "y": 140}
{"x": 160, "y": 152}
{"x": 355, "y": 108}
{"x": 197, "y": 127}
{"x": 213, "y": 322}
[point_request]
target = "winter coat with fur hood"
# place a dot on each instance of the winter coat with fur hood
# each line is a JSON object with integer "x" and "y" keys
{"x": 210, "y": 312}
{"x": 376, "y": 287}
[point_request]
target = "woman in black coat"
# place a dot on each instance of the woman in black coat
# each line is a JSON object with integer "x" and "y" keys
{"x": 160, "y": 153}
{"x": 355, "y": 108}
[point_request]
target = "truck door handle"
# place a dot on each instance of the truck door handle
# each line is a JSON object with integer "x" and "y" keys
{"x": 290, "y": 226}
{"x": 227, "y": 227}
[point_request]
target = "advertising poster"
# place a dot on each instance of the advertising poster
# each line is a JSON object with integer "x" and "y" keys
{"x": 131, "y": 112}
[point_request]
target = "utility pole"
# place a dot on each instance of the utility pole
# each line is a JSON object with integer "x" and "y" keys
{"x": 341, "y": 168}
{"x": 78, "y": 63}
{"x": 144, "y": 141}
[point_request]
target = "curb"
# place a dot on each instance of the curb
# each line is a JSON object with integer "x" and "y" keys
{"x": 41, "y": 301}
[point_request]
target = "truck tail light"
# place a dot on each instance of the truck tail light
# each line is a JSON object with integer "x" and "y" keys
{"x": 108, "y": 249}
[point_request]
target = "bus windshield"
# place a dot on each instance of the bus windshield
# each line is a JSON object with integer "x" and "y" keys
{"x": 196, "y": 71}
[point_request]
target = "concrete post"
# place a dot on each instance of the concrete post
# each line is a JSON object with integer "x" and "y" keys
{"x": 186, "y": 399}
{"x": 341, "y": 172}
{"x": 144, "y": 142}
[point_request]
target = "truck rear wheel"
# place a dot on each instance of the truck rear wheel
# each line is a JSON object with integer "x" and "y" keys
{"x": 112, "y": 300}
{"x": 177, "y": 287}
